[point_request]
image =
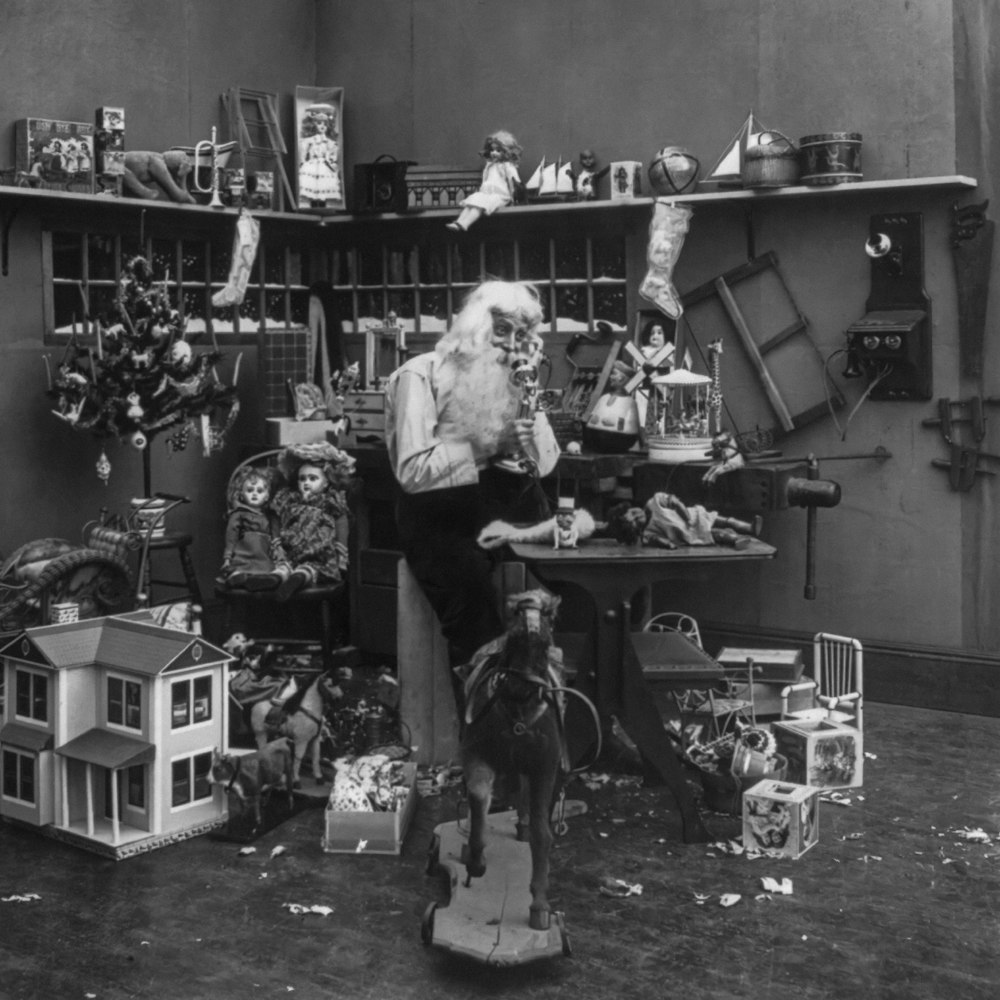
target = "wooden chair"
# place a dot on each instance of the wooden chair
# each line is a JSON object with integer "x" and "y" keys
{"x": 327, "y": 598}
{"x": 837, "y": 683}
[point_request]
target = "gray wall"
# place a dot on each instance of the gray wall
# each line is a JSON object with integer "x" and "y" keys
{"x": 903, "y": 560}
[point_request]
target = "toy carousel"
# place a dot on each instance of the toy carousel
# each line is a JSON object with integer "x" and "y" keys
{"x": 684, "y": 412}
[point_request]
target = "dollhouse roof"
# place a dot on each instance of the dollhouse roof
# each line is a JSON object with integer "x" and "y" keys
{"x": 114, "y": 750}
{"x": 124, "y": 644}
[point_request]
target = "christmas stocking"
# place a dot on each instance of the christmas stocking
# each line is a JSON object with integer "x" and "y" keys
{"x": 666, "y": 237}
{"x": 244, "y": 254}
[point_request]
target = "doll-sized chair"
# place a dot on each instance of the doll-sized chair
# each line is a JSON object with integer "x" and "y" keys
{"x": 329, "y": 599}
{"x": 837, "y": 683}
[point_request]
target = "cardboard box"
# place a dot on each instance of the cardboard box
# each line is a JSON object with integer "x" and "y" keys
{"x": 822, "y": 754}
{"x": 771, "y": 665}
{"x": 780, "y": 817}
{"x": 283, "y": 431}
{"x": 55, "y": 154}
{"x": 378, "y": 832}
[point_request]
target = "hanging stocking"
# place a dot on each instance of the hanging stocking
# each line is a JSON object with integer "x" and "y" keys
{"x": 244, "y": 254}
{"x": 667, "y": 229}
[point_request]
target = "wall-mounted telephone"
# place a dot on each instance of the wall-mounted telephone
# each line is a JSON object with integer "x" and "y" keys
{"x": 891, "y": 344}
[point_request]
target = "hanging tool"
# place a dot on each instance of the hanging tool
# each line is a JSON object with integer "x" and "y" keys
{"x": 963, "y": 461}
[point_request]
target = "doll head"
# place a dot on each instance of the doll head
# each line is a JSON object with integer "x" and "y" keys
{"x": 501, "y": 145}
{"x": 251, "y": 487}
{"x": 311, "y": 480}
{"x": 336, "y": 467}
{"x": 655, "y": 336}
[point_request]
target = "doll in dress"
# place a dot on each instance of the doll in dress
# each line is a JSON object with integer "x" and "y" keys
{"x": 501, "y": 182}
{"x": 252, "y": 557}
{"x": 313, "y": 515}
{"x": 319, "y": 171}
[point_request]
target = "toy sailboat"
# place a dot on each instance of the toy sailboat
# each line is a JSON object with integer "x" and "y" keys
{"x": 551, "y": 182}
{"x": 727, "y": 172}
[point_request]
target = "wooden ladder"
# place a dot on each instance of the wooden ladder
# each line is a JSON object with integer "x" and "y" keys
{"x": 253, "y": 123}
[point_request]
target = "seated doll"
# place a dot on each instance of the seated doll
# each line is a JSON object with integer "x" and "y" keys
{"x": 313, "y": 515}
{"x": 252, "y": 557}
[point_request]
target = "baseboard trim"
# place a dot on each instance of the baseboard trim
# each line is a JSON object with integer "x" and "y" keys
{"x": 918, "y": 676}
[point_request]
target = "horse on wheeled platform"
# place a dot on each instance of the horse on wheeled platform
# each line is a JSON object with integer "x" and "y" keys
{"x": 513, "y": 727}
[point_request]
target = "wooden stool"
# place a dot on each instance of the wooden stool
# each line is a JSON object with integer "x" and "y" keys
{"x": 178, "y": 542}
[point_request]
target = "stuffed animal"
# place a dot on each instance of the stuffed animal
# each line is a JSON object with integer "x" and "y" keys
{"x": 158, "y": 176}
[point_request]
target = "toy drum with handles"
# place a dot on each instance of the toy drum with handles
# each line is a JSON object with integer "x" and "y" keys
{"x": 772, "y": 162}
{"x": 830, "y": 158}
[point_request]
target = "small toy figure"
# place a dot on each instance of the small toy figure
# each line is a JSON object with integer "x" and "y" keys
{"x": 725, "y": 455}
{"x": 501, "y": 182}
{"x": 566, "y": 533}
{"x": 313, "y": 515}
{"x": 588, "y": 176}
{"x": 252, "y": 557}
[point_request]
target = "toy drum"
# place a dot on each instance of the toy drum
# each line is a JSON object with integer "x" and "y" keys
{"x": 830, "y": 158}
{"x": 773, "y": 162}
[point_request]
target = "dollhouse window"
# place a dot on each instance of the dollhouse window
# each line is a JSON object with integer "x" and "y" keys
{"x": 124, "y": 703}
{"x": 19, "y": 776}
{"x": 31, "y": 696}
{"x": 190, "y": 701}
{"x": 136, "y": 786}
{"x": 189, "y": 779}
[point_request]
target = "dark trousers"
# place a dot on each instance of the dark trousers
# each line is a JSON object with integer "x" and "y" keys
{"x": 438, "y": 532}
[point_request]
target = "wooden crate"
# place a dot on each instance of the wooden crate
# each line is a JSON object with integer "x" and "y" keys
{"x": 780, "y": 817}
{"x": 371, "y": 832}
{"x": 821, "y": 753}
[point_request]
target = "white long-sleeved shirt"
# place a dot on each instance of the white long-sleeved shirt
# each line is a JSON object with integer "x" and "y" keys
{"x": 427, "y": 448}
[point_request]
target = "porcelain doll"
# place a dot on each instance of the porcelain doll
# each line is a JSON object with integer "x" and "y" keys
{"x": 252, "y": 557}
{"x": 313, "y": 515}
{"x": 319, "y": 171}
{"x": 501, "y": 182}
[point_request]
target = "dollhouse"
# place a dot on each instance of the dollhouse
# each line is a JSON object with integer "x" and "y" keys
{"x": 107, "y": 733}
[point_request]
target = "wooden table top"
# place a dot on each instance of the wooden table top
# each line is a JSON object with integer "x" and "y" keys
{"x": 607, "y": 551}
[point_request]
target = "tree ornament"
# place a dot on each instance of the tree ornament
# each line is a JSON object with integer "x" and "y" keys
{"x": 103, "y": 468}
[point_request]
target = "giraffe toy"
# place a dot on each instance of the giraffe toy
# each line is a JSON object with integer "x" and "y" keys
{"x": 715, "y": 389}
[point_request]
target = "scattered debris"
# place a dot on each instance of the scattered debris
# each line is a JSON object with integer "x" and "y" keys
{"x": 976, "y": 835}
{"x": 276, "y": 851}
{"x": 837, "y": 798}
{"x": 362, "y": 847}
{"x": 27, "y": 897}
{"x": 729, "y": 899}
{"x": 247, "y": 850}
{"x": 299, "y": 909}
{"x": 851, "y": 836}
{"x": 701, "y": 898}
{"x": 619, "y": 888}
{"x": 784, "y": 887}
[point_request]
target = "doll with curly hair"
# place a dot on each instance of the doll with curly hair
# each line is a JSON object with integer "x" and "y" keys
{"x": 252, "y": 557}
{"x": 501, "y": 183}
{"x": 313, "y": 516}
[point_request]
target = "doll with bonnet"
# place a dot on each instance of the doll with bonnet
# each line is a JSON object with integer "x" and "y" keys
{"x": 313, "y": 517}
{"x": 252, "y": 557}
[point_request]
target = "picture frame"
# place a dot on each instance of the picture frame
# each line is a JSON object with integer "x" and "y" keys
{"x": 319, "y": 149}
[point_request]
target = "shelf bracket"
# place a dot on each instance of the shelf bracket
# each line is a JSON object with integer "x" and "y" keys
{"x": 7, "y": 221}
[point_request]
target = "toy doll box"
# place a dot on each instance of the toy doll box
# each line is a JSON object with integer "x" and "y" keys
{"x": 781, "y": 818}
{"x": 55, "y": 154}
{"x": 372, "y": 832}
{"x": 821, "y": 753}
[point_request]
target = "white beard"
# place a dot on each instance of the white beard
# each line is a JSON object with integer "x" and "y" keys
{"x": 479, "y": 400}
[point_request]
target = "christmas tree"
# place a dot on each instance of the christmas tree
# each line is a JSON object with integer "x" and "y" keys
{"x": 142, "y": 377}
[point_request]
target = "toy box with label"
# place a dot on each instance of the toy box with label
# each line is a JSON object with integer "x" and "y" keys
{"x": 781, "y": 818}
{"x": 55, "y": 154}
{"x": 378, "y": 831}
{"x": 821, "y": 753}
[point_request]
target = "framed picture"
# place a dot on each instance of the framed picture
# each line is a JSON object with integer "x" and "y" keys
{"x": 55, "y": 154}
{"x": 319, "y": 147}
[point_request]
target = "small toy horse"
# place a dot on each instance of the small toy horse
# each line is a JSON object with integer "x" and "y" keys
{"x": 514, "y": 727}
{"x": 301, "y": 718}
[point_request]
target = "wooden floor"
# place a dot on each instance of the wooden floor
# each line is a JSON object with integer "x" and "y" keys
{"x": 893, "y": 902}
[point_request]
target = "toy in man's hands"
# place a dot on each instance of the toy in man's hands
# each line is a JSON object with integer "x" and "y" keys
{"x": 501, "y": 182}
